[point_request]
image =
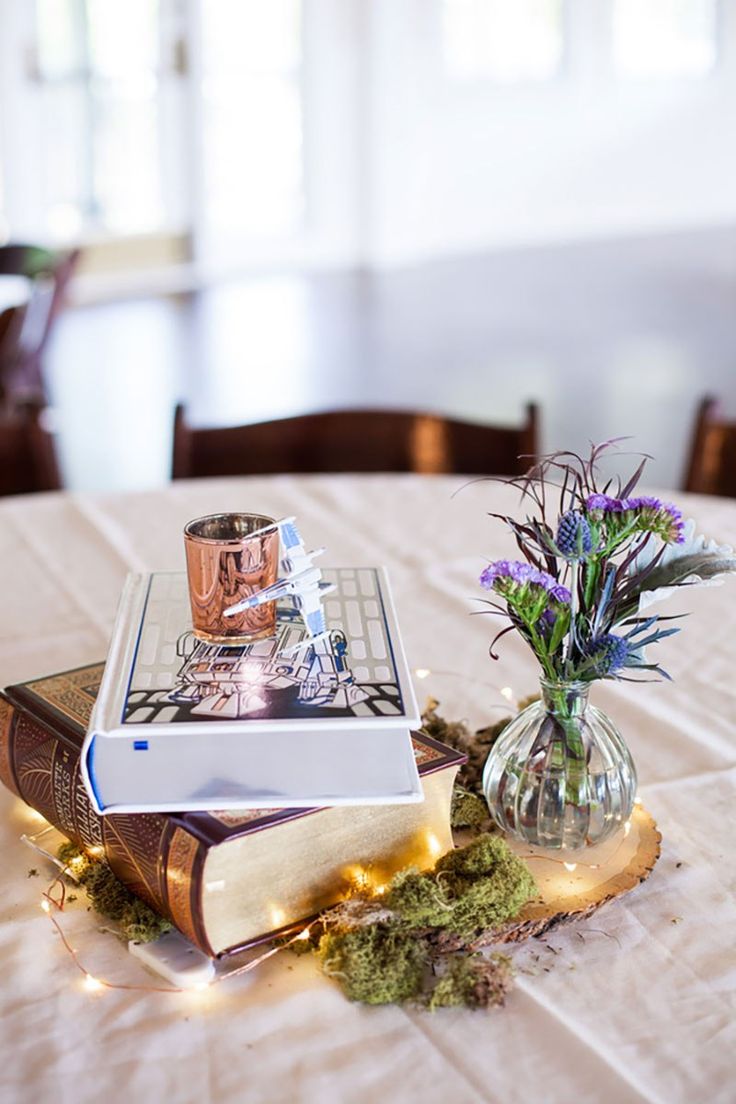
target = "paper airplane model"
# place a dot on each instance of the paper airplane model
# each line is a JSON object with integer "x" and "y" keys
{"x": 298, "y": 579}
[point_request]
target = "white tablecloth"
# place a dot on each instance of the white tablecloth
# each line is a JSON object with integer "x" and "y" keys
{"x": 634, "y": 1005}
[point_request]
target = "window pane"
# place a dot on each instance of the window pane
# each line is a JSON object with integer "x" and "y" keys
{"x": 100, "y": 116}
{"x": 252, "y": 109}
{"x": 126, "y": 174}
{"x": 505, "y": 40}
{"x": 664, "y": 38}
{"x": 123, "y": 38}
{"x": 60, "y": 41}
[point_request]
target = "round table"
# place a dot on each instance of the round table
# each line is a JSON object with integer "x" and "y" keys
{"x": 634, "y": 1005}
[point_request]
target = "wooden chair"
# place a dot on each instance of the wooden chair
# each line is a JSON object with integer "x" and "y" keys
{"x": 355, "y": 441}
{"x": 25, "y": 330}
{"x": 27, "y": 454}
{"x": 711, "y": 466}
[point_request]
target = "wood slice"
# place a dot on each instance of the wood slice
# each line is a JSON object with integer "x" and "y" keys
{"x": 599, "y": 874}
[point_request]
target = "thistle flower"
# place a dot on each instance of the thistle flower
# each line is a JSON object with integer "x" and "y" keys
{"x": 574, "y": 536}
{"x": 609, "y": 653}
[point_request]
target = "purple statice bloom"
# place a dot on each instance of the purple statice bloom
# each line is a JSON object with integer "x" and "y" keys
{"x": 560, "y": 593}
{"x": 662, "y": 518}
{"x": 523, "y": 573}
{"x": 665, "y": 516}
{"x": 604, "y": 502}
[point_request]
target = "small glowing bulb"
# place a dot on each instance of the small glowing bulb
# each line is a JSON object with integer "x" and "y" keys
{"x": 421, "y": 672}
{"x": 45, "y": 905}
{"x": 303, "y": 934}
{"x": 380, "y": 890}
{"x": 92, "y": 984}
{"x": 433, "y": 843}
{"x": 98, "y": 852}
{"x": 627, "y": 827}
{"x": 507, "y": 693}
{"x": 570, "y": 866}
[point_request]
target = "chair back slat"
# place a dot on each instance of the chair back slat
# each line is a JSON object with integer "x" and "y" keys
{"x": 355, "y": 441}
{"x": 24, "y": 334}
{"x": 27, "y": 454}
{"x": 711, "y": 464}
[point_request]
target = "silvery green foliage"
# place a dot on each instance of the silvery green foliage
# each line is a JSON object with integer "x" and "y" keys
{"x": 695, "y": 562}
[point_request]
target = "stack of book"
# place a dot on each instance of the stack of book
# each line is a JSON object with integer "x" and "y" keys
{"x": 238, "y": 789}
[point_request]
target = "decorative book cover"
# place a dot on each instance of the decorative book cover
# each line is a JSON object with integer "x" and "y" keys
{"x": 226, "y": 879}
{"x": 327, "y": 724}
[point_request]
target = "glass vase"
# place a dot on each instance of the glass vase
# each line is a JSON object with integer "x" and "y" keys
{"x": 560, "y": 775}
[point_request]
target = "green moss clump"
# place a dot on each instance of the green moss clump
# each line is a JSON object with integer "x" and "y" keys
{"x": 468, "y": 810}
{"x": 473, "y": 981}
{"x": 470, "y": 889}
{"x": 111, "y": 899}
{"x": 486, "y": 884}
{"x": 417, "y": 900}
{"x": 376, "y": 964}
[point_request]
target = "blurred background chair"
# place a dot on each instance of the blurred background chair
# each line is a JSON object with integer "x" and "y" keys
{"x": 355, "y": 441}
{"x": 711, "y": 466}
{"x": 32, "y": 286}
{"x": 27, "y": 453}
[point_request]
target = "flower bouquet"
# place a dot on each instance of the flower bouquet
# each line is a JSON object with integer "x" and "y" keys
{"x": 560, "y": 775}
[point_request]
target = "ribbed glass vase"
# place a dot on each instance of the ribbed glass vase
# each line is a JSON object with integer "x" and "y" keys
{"x": 560, "y": 775}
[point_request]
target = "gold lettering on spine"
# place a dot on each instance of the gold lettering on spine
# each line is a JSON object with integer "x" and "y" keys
{"x": 61, "y": 784}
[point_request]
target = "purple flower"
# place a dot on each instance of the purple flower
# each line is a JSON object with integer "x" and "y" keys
{"x": 574, "y": 538}
{"x": 609, "y": 652}
{"x": 663, "y": 518}
{"x": 652, "y": 515}
{"x": 521, "y": 574}
{"x": 560, "y": 593}
{"x": 604, "y": 502}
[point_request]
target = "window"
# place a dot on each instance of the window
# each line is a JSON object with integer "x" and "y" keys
{"x": 509, "y": 41}
{"x": 98, "y": 76}
{"x": 252, "y": 117}
{"x": 664, "y": 38}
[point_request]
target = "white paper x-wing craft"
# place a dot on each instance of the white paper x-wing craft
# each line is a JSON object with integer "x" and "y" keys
{"x": 300, "y": 719}
{"x": 298, "y": 579}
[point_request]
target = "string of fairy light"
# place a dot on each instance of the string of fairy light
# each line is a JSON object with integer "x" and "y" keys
{"x": 54, "y": 897}
{"x": 53, "y": 903}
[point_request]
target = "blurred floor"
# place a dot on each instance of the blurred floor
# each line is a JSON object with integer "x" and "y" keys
{"x": 612, "y": 338}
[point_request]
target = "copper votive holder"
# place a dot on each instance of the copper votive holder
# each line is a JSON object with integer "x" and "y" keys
{"x": 229, "y": 558}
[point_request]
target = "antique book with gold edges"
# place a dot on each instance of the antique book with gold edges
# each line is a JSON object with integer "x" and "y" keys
{"x": 225, "y": 879}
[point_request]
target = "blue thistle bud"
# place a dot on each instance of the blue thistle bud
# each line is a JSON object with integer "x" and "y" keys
{"x": 609, "y": 652}
{"x": 574, "y": 538}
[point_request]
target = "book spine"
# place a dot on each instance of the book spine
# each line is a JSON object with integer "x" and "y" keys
{"x": 156, "y": 859}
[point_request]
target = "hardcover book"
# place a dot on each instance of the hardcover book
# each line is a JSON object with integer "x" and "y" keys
{"x": 225, "y": 879}
{"x": 180, "y": 724}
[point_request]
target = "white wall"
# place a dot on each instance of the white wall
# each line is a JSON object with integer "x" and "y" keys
{"x": 459, "y": 167}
